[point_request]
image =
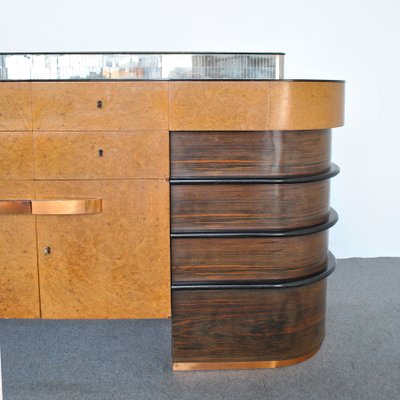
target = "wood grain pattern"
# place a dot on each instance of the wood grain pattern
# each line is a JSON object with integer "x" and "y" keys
{"x": 247, "y": 324}
{"x": 19, "y": 293}
{"x": 248, "y": 259}
{"x": 306, "y": 105}
{"x": 72, "y": 106}
{"x": 15, "y": 106}
{"x": 218, "y": 106}
{"x": 109, "y": 265}
{"x": 249, "y": 154}
{"x": 102, "y": 155}
{"x": 231, "y": 207}
{"x": 16, "y": 155}
{"x": 256, "y": 106}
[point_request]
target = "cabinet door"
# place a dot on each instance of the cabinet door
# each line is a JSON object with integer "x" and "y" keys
{"x": 99, "y": 106}
{"x": 114, "y": 264}
{"x": 19, "y": 293}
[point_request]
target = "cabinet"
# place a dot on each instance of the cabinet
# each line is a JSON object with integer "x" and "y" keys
{"x": 108, "y": 187}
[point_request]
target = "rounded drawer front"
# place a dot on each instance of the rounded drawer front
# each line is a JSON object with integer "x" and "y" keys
{"x": 249, "y": 154}
{"x": 226, "y": 326}
{"x": 250, "y": 259}
{"x": 256, "y": 106}
{"x": 101, "y": 155}
{"x": 248, "y": 207}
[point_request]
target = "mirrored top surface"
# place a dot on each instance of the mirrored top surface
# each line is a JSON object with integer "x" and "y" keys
{"x": 141, "y": 66}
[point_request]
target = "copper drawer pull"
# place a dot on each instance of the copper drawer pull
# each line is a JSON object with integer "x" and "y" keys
{"x": 15, "y": 207}
{"x": 52, "y": 207}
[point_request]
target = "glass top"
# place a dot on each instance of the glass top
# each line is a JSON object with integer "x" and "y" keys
{"x": 141, "y": 66}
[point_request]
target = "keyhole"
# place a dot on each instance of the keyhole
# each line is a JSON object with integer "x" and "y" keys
{"x": 99, "y": 104}
{"x": 47, "y": 250}
{"x": 100, "y": 152}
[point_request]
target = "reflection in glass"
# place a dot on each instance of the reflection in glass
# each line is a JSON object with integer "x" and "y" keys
{"x": 147, "y": 66}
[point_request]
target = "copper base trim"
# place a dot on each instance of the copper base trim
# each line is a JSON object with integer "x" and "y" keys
{"x": 187, "y": 366}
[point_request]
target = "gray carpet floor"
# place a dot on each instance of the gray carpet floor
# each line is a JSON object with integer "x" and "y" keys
{"x": 124, "y": 360}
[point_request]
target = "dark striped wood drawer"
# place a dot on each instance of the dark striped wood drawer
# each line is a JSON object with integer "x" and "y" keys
{"x": 217, "y": 327}
{"x": 249, "y": 154}
{"x": 248, "y": 258}
{"x": 248, "y": 207}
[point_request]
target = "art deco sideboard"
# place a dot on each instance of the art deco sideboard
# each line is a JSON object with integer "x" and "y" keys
{"x": 112, "y": 192}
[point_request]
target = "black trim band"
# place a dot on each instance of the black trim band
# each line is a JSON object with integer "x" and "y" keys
{"x": 333, "y": 171}
{"x": 280, "y": 285}
{"x": 332, "y": 219}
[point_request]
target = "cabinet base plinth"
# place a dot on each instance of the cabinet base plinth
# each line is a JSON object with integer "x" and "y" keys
{"x": 204, "y": 366}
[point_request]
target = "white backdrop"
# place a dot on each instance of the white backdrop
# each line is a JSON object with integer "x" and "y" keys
{"x": 354, "y": 40}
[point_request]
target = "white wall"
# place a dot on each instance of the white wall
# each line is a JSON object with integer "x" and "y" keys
{"x": 333, "y": 39}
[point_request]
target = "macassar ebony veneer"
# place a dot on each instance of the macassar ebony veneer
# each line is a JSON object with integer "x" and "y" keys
{"x": 250, "y": 154}
{"x": 250, "y": 257}
{"x": 249, "y": 204}
{"x": 248, "y": 326}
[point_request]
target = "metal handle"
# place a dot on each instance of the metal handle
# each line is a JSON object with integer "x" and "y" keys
{"x": 99, "y": 104}
{"x": 52, "y": 207}
{"x": 15, "y": 207}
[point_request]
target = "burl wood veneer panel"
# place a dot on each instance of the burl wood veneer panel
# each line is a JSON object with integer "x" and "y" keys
{"x": 218, "y": 106}
{"x": 248, "y": 207}
{"x": 306, "y": 105}
{"x": 114, "y": 264}
{"x": 249, "y": 154}
{"x": 19, "y": 293}
{"x": 16, "y": 155}
{"x": 248, "y": 259}
{"x": 74, "y": 106}
{"x": 261, "y": 105}
{"x": 247, "y": 324}
{"x": 102, "y": 155}
{"x": 15, "y": 106}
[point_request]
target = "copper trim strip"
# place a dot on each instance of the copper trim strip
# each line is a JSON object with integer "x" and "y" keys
{"x": 15, "y": 207}
{"x": 187, "y": 366}
{"x": 52, "y": 206}
{"x": 66, "y": 206}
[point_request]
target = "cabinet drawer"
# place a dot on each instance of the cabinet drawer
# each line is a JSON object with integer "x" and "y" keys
{"x": 248, "y": 207}
{"x": 247, "y": 325}
{"x": 15, "y": 106}
{"x": 219, "y": 106}
{"x": 100, "y": 106}
{"x": 249, "y": 154}
{"x": 113, "y": 264}
{"x": 19, "y": 292}
{"x": 258, "y": 106}
{"x": 16, "y": 155}
{"x": 97, "y": 155}
{"x": 248, "y": 259}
